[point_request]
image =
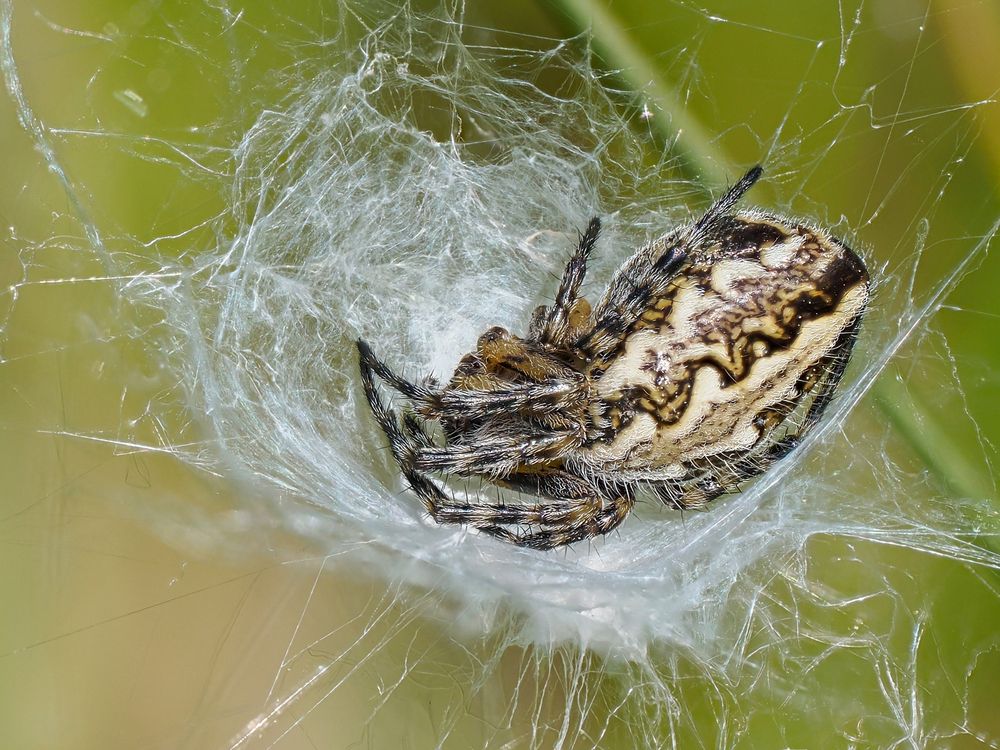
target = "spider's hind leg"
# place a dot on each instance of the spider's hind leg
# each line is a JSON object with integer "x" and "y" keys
{"x": 552, "y": 325}
{"x": 384, "y": 416}
{"x": 406, "y": 437}
{"x": 724, "y": 206}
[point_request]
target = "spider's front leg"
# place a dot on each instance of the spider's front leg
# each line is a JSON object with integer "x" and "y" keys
{"x": 575, "y": 510}
{"x": 400, "y": 445}
{"x": 564, "y": 524}
{"x": 578, "y": 513}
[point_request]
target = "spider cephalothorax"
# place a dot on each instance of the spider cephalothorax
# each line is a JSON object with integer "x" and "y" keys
{"x": 712, "y": 352}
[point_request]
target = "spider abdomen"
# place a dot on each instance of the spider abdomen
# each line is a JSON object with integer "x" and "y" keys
{"x": 744, "y": 335}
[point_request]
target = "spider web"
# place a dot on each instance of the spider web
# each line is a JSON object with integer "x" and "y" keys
{"x": 204, "y": 539}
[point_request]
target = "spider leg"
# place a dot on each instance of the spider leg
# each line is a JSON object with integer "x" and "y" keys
{"x": 649, "y": 273}
{"x": 579, "y": 511}
{"x": 415, "y": 431}
{"x": 385, "y": 417}
{"x": 498, "y": 456}
{"x": 542, "y": 397}
{"x": 569, "y": 497}
{"x": 700, "y": 490}
{"x": 371, "y": 364}
{"x": 567, "y": 522}
{"x": 554, "y": 326}
{"x": 595, "y": 518}
{"x": 562, "y": 523}
{"x": 403, "y": 444}
{"x": 750, "y": 466}
{"x": 629, "y": 294}
{"x": 725, "y": 204}
{"x": 832, "y": 368}
{"x": 410, "y": 442}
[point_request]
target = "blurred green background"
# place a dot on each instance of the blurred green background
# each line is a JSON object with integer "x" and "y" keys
{"x": 877, "y": 118}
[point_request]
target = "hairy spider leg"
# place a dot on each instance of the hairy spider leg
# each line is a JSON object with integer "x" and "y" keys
{"x": 576, "y": 502}
{"x": 600, "y": 521}
{"x": 403, "y": 449}
{"x": 415, "y": 431}
{"x": 649, "y": 273}
{"x": 499, "y": 456}
{"x": 629, "y": 294}
{"x": 544, "y": 397}
{"x": 556, "y": 324}
{"x": 833, "y": 366}
{"x": 570, "y": 519}
{"x": 401, "y": 446}
{"x": 548, "y": 396}
{"x": 585, "y": 515}
{"x": 724, "y": 206}
{"x": 373, "y": 364}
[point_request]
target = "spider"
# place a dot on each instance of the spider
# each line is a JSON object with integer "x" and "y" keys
{"x": 712, "y": 352}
